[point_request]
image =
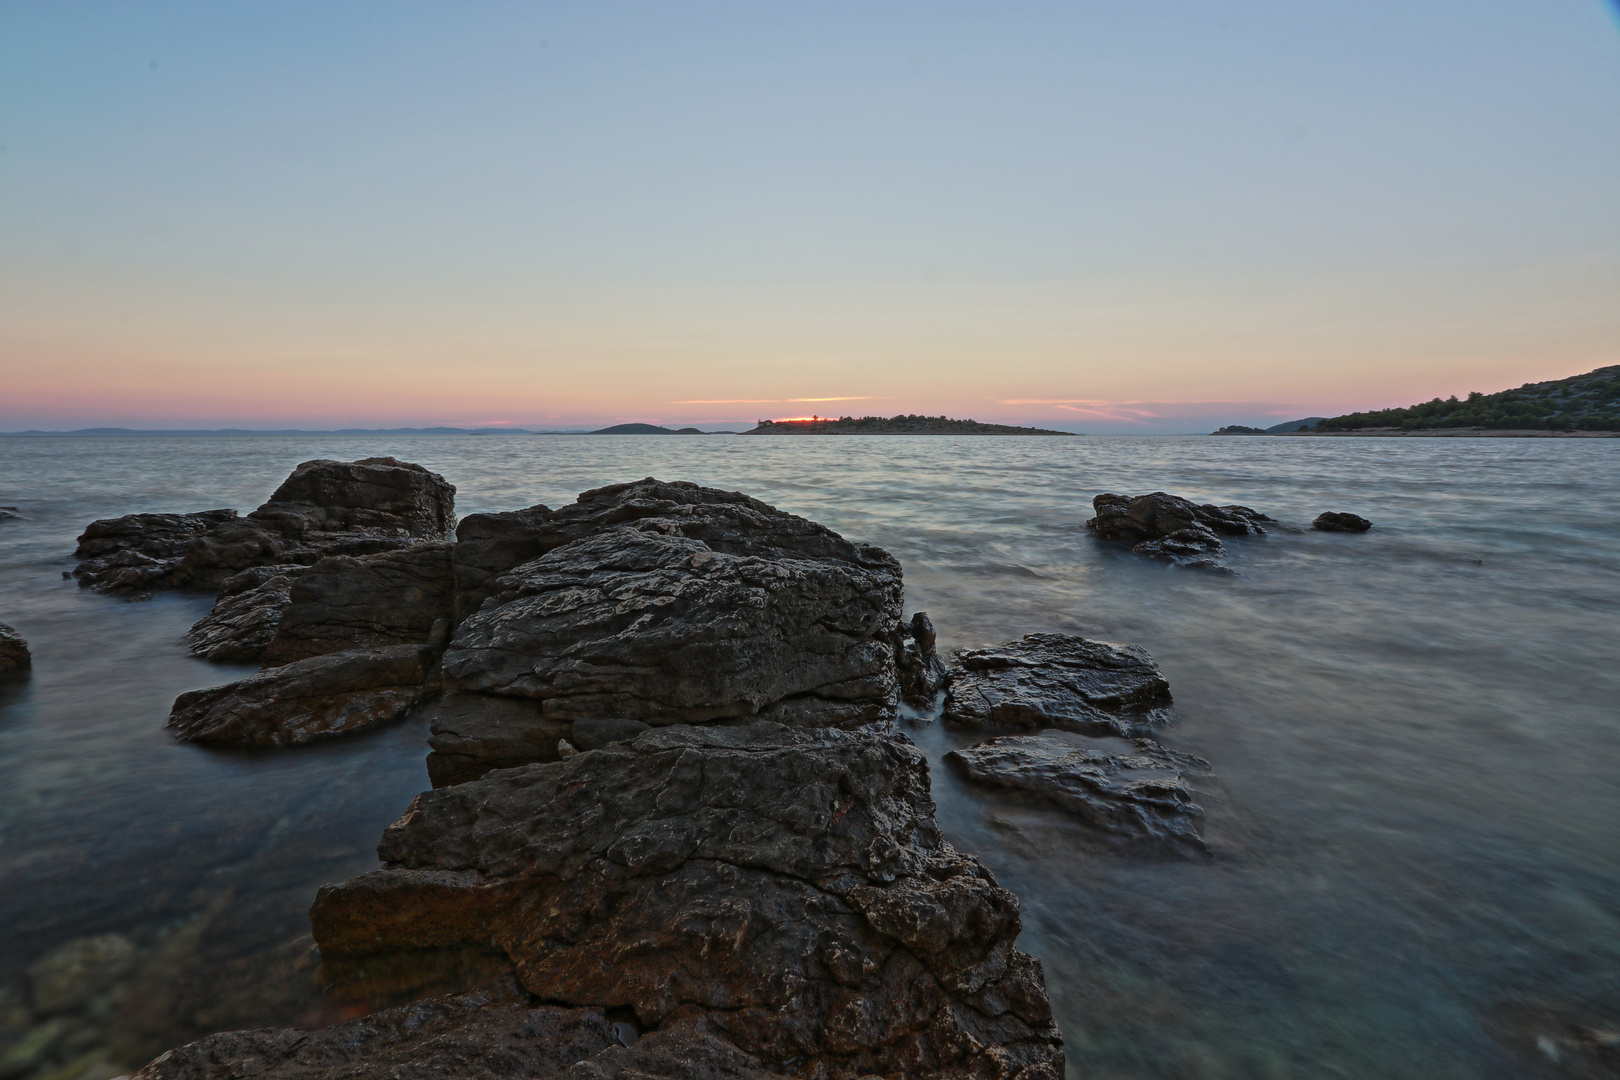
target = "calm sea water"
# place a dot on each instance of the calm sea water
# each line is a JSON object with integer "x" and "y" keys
{"x": 1415, "y": 732}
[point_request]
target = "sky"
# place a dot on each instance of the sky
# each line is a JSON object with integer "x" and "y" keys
{"x": 1112, "y": 216}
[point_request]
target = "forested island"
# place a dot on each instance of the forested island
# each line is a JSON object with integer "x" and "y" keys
{"x": 901, "y": 424}
{"x": 1589, "y": 402}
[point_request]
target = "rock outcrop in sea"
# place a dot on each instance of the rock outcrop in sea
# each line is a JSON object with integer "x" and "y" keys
{"x": 14, "y": 654}
{"x": 1173, "y": 529}
{"x": 1335, "y": 521}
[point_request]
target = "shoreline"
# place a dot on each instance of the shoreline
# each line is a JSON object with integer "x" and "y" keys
{"x": 1454, "y": 433}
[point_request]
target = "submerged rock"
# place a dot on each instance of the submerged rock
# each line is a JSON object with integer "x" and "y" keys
{"x": 468, "y": 1037}
{"x": 1333, "y": 521}
{"x": 1141, "y": 796}
{"x": 1058, "y": 680}
{"x": 787, "y": 886}
{"x": 14, "y": 654}
{"x": 663, "y": 603}
{"x": 308, "y": 699}
{"x": 1172, "y": 529}
{"x": 74, "y": 972}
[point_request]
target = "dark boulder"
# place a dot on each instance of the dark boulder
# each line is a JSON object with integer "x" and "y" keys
{"x": 1059, "y": 680}
{"x": 1333, "y": 521}
{"x": 140, "y": 552}
{"x": 1139, "y": 796}
{"x": 1170, "y": 528}
{"x": 787, "y": 886}
{"x": 347, "y": 602}
{"x": 663, "y": 603}
{"x": 920, "y": 670}
{"x": 380, "y": 495}
{"x": 245, "y": 616}
{"x": 14, "y": 654}
{"x": 316, "y": 698}
{"x": 468, "y": 1037}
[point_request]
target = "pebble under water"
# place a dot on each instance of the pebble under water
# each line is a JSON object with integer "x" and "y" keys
{"x": 1416, "y": 735}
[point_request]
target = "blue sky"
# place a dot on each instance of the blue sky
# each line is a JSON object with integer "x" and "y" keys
{"x": 1112, "y": 216}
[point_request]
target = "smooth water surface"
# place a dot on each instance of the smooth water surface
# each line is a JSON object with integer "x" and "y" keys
{"x": 1417, "y": 868}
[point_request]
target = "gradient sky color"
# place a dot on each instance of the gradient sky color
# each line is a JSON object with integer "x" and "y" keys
{"x": 1109, "y": 216}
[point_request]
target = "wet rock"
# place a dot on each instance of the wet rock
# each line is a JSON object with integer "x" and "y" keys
{"x": 920, "y": 670}
{"x": 1059, "y": 680}
{"x": 1170, "y": 528}
{"x": 381, "y": 495}
{"x": 1333, "y": 521}
{"x": 71, "y": 974}
{"x": 787, "y": 886}
{"x": 465, "y": 1036}
{"x": 343, "y": 602}
{"x": 595, "y": 734}
{"x": 139, "y": 552}
{"x": 1140, "y": 797}
{"x": 474, "y": 733}
{"x": 488, "y": 545}
{"x": 11, "y": 513}
{"x": 308, "y": 699}
{"x": 14, "y": 654}
{"x": 245, "y": 617}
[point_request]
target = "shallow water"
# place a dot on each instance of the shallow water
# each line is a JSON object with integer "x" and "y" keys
{"x": 1415, "y": 731}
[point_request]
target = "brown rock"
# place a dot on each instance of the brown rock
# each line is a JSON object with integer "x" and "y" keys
{"x": 381, "y": 495}
{"x": 343, "y": 602}
{"x": 787, "y": 886}
{"x": 139, "y": 552}
{"x": 245, "y": 616}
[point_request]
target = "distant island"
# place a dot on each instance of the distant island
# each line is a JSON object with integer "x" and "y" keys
{"x": 650, "y": 429}
{"x": 1588, "y": 403}
{"x": 903, "y": 424}
{"x": 1287, "y": 428}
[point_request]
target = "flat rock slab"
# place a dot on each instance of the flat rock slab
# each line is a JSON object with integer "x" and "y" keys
{"x": 467, "y": 1037}
{"x": 1058, "y": 680}
{"x": 787, "y": 886}
{"x": 1141, "y": 797}
{"x": 311, "y": 699}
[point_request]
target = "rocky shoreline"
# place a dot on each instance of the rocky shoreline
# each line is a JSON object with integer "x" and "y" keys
{"x": 670, "y": 801}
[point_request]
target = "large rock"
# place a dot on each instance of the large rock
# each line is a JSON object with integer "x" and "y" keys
{"x": 308, "y": 699}
{"x": 139, "y": 552}
{"x": 343, "y": 602}
{"x": 665, "y": 603}
{"x": 246, "y": 614}
{"x": 1059, "y": 680}
{"x": 787, "y": 886}
{"x": 1139, "y": 796}
{"x": 1335, "y": 521}
{"x": 466, "y": 1037}
{"x": 1170, "y": 528}
{"x": 14, "y": 654}
{"x": 325, "y": 508}
{"x": 380, "y": 495}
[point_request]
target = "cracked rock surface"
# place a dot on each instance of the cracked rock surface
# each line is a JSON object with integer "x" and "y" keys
{"x": 787, "y": 886}
{"x": 343, "y": 602}
{"x": 1059, "y": 680}
{"x": 664, "y": 603}
{"x": 466, "y": 1036}
{"x": 1139, "y": 796}
{"x": 246, "y": 614}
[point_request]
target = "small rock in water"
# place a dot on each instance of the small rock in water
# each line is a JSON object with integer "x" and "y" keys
{"x": 9, "y": 512}
{"x": 1172, "y": 529}
{"x": 1139, "y": 797}
{"x": 14, "y": 654}
{"x": 1333, "y": 521}
{"x": 71, "y": 974}
{"x": 1059, "y": 680}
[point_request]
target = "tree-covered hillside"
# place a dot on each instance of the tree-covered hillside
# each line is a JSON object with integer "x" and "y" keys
{"x": 1589, "y": 402}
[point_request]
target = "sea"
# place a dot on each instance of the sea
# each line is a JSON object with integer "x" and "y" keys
{"x": 1414, "y": 825}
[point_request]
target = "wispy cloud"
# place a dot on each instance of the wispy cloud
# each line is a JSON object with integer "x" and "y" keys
{"x": 1121, "y": 411}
